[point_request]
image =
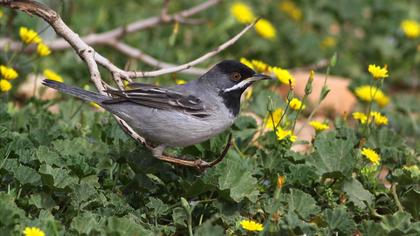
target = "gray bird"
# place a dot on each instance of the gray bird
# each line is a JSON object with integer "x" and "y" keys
{"x": 181, "y": 115}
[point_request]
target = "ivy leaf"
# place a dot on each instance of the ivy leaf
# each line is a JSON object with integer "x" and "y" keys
{"x": 334, "y": 155}
{"x": 339, "y": 220}
{"x": 357, "y": 194}
{"x": 235, "y": 175}
{"x": 302, "y": 204}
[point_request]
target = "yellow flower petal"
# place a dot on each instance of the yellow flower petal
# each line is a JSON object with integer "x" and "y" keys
{"x": 296, "y": 104}
{"x": 43, "y": 50}
{"x": 33, "y": 231}
{"x": 291, "y": 10}
{"x": 268, "y": 121}
{"x": 260, "y": 66}
{"x": 8, "y": 72}
{"x": 378, "y": 72}
{"x": 180, "y": 81}
{"x": 410, "y": 28}
{"x": 283, "y": 76}
{"x": 51, "y": 75}
{"x": 319, "y": 126}
{"x": 29, "y": 36}
{"x": 371, "y": 155}
{"x": 283, "y": 134}
{"x": 368, "y": 93}
{"x": 265, "y": 29}
{"x": 251, "y": 225}
{"x": 242, "y": 12}
{"x": 247, "y": 63}
{"x": 5, "y": 85}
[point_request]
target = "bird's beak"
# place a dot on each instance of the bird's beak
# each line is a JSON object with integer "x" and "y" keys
{"x": 247, "y": 82}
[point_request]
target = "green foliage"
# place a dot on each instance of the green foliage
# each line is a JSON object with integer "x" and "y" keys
{"x": 76, "y": 172}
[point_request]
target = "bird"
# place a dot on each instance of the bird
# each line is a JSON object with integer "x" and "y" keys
{"x": 179, "y": 115}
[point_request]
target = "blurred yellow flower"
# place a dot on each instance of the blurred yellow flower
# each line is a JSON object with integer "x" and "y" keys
{"x": 242, "y": 12}
{"x": 378, "y": 72}
{"x": 276, "y": 116}
{"x": 291, "y": 10}
{"x": 246, "y": 62}
{"x": 29, "y": 36}
{"x": 328, "y": 42}
{"x": 319, "y": 126}
{"x": 265, "y": 29}
{"x": 371, "y": 155}
{"x": 368, "y": 93}
{"x": 1, "y": 13}
{"x": 379, "y": 118}
{"x": 296, "y": 104}
{"x": 283, "y": 76}
{"x": 94, "y": 105}
{"x": 180, "y": 81}
{"x": 251, "y": 225}
{"x": 33, "y": 231}
{"x": 43, "y": 50}
{"x": 360, "y": 116}
{"x": 260, "y": 66}
{"x": 283, "y": 134}
{"x": 411, "y": 28}
{"x": 5, "y": 85}
{"x": 248, "y": 93}
{"x": 51, "y": 75}
{"x": 280, "y": 181}
{"x": 8, "y": 72}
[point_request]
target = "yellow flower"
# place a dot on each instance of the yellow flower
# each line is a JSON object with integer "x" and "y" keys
{"x": 248, "y": 93}
{"x": 246, "y": 62}
{"x": 251, "y": 225}
{"x": 33, "y": 231}
{"x": 242, "y": 12}
{"x": 318, "y": 126}
{"x": 371, "y": 155}
{"x": 180, "y": 81}
{"x": 379, "y": 118}
{"x": 291, "y": 10}
{"x": 283, "y": 134}
{"x": 8, "y": 72}
{"x": 29, "y": 36}
{"x": 268, "y": 121}
{"x": 360, "y": 117}
{"x": 280, "y": 181}
{"x": 265, "y": 29}
{"x": 410, "y": 28}
{"x": 1, "y": 13}
{"x": 94, "y": 105}
{"x": 43, "y": 50}
{"x": 51, "y": 75}
{"x": 328, "y": 42}
{"x": 296, "y": 104}
{"x": 377, "y": 72}
{"x": 368, "y": 93}
{"x": 283, "y": 76}
{"x": 5, "y": 85}
{"x": 260, "y": 66}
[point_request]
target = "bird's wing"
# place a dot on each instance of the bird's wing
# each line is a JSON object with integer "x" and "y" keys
{"x": 160, "y": 98}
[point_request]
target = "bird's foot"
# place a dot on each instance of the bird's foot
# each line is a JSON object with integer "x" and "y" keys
{"x": 197, "y": 164}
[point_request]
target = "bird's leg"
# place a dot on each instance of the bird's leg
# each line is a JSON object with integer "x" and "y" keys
{"x": 198, "y": 164}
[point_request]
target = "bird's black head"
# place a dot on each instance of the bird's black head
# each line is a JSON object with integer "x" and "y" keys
{"x": 231, "y": 78}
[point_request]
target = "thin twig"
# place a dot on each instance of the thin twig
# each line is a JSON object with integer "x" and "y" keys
{"x": 395, "y": 196}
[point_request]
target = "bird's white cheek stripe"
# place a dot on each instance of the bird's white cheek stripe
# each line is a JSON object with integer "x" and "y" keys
{"x": 241, "y": 84}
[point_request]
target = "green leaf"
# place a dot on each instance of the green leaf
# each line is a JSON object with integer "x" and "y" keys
{"x": 371, "y": 228}
{"x": 357, "y": 194}
{"x": 57, "y": 177}
{"x": 339, "y": 220}
{"x": 159, "y": 208}
{"x": 334, "y": 155}
{"x": 209, "y": 229}
{"x": 411, "y": 203}
{"x": 400, "y": 224}
{"x": 26, "y": 175}
{"x": 235, "y": 175}
{"x": 85, "y": 223}
{"x": 302, "y": 204}
{"x": 124, "y": 226}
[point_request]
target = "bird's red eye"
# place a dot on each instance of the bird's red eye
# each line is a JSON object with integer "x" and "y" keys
{"x": 236, "y": 76}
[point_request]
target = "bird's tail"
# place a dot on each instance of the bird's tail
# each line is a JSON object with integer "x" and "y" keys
{"x": 75, "y": 91}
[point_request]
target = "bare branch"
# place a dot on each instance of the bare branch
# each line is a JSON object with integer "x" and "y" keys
{"x": 137, "y": 54}
{"x": 138, "y": 74}
{"x": 102, "y": 38}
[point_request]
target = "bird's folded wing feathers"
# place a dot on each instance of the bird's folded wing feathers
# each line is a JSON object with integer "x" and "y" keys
{"x": 159, "y": 98}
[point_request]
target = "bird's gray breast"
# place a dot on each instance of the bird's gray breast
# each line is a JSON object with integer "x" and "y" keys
{"x": 175, "y": 128}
